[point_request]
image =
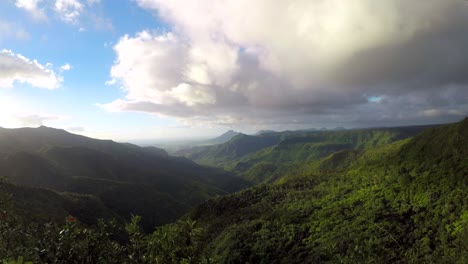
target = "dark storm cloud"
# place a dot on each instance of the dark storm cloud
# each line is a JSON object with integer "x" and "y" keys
{"x": 355, "y": 62}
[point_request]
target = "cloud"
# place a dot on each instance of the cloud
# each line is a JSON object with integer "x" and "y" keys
{"x": 65, "y": 67}
{"x": 76, "y": 129}
{"x": 93, "y": 2}
{"x": 69, "y": 10}
{"x": 111, "y": 82}
{"x": 16, "y": 113}
{"x": 32, "y": 7}
{"x": 297, "y": 61}
{"x": 17, "y": 68}
{"x": 79, "y": 13}
{"x": 136, "y": 62}
{"x": 100, "y": 23}
{"x": 10, "y": 120}
{"x": 442, "y": 112}
{"x": 12, "y": 30}
{"x": 35, "y": 120}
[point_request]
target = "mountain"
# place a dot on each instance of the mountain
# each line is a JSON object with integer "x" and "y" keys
{"x": 125, "y": 178}
{"x": 266, "y": 157}
{"x": 223, "y": 138}
{"x": 264, "y": 132}
{"x": 237, "y": 147}
{"x": 402, "y": 202}
{"x": 183, "y": 147}
{"x": 324, "y": 129}
{"x": 339, "y": 128}
{"x": 392, "y": 199}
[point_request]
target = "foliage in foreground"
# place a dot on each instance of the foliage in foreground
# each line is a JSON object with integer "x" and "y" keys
{"x": 72, "y": 242}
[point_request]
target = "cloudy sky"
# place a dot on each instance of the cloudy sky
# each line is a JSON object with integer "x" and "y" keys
{"x": 141, "y": 69}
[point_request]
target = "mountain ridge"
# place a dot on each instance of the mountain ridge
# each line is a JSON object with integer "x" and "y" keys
{"x": 385, "y": 206}
{"x": 253, "y": 157}
{"x": 225, "y": 137}
{"x": 61, "y": 161}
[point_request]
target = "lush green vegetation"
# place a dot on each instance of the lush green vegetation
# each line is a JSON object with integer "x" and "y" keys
{"x": 118, "y": 179}
{"x": 405, "y": 202}
{"x": 385, "y": 198}
{"x": 23, "y": 241}
{"x": 267, "y": 157}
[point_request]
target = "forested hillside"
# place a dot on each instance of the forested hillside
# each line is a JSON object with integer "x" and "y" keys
{"x": 269, "y": 156}
{"x": 260, "y": 132}
{"x": 401, "y": 202}
{"x": 122, "y": 178}
{"x": 405, "y": 202}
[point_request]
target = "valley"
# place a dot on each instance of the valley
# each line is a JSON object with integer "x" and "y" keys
{"x": 233, "y": 132}
{"x": 373, "y": 195}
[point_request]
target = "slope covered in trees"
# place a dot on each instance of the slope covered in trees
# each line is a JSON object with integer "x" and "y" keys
{"x": 269, "y": 156}
{"x": 405, "y": 202}
{"x": 124, "y": 178}
{"x": 401, "y": 202}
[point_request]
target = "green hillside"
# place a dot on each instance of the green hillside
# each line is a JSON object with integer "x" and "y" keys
{"x": 40, "y": 205}
{"x": 404, "y": 202}
{"x": 237, "y": 147}
{"x": 123, "y": 178}
{"x": 269, "y": 156}
{"x": 384, "y": 201}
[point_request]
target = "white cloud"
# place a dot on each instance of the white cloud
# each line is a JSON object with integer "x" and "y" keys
{"x": 304, "y": 41}
{"x": 100, "y": 23}
{"x": 65, "y": 67}
{"x": 166, "y": 69}
{"x": 17, "y": 114}
{"x": 17, "y": 68}
{"x": 152, "y": 68}
{"x": 192, "y": 95}
{"x": 111, "y": 82}
{"x": 78, "y": 13}
{"x": 76, "y": 129}
{"x": 35, "y": 120}
{"x": 32, "y": 7}
{"x": 12, "y": 30}
{"x": 92, "y": 2}
{"x": 283, "y": 59}
{"x": 69, "y": 10}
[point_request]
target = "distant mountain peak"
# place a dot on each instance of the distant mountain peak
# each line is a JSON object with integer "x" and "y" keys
{"x": 225, "y": 137}
{"x": 49, "y": 128}
{"x": 51, "y": 131}
{"x": 264, "y": 132}
{"x": 229, "y": 132}
{"x": 339, "y": 128}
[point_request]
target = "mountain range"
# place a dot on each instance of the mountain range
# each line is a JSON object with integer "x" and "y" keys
{"x": 377, "y": 195}
{"x": 225, "y": 137}
{"x": 402, "y": 201}
{"x": 268, "y": 156}
{"x": 123, "y": 178}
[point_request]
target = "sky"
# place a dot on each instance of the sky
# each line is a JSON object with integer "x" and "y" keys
{"x": 164, "y": 69}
